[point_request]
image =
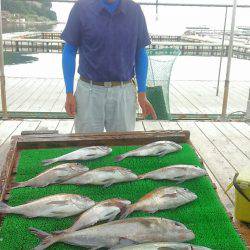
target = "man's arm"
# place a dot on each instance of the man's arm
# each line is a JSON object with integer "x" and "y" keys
{"x": 141, "y": 70}
{"x": 69, "y": 65}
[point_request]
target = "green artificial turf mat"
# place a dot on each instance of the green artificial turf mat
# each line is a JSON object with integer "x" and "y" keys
{"x": 205, "y": 216}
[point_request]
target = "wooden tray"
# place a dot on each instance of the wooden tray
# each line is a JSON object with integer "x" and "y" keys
{"x": 54, "y": 140}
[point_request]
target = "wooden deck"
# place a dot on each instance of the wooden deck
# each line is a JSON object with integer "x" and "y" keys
{"x": 186, "y": 97}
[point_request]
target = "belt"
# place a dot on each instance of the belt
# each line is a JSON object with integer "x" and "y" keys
{"x": 105, "y": 84}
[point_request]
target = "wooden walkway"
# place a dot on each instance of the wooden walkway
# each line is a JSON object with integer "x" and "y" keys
{"x": 186, "y": 97}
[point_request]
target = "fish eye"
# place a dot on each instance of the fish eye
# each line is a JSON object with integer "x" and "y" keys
{"x": 177, "y": 224}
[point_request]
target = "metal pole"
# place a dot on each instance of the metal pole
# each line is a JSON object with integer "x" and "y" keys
{"x": 230, "y": 53}
{"x": 156, "y": 9}
{"x": 2, "y": 77}
{"x": 222, "y": 50}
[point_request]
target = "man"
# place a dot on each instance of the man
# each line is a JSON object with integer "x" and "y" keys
{"x": 111, "y": 36}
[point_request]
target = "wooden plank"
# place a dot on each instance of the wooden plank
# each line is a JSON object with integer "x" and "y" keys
{"x": 186, "y": 102}
{"x": 243, "y": 128}
{"x": 43, "y": 98}
{"x": 170, "y": 125}
{"x": 216, "y": 162}
{"x": 224, "y": 146}
{"x": 48, "y": 124}
{"x": 23, "y": 100}
{"x": 26, "y": 125}
{"x": 52, "y": 97}
{"x": 139, "y": 126}
{"x": 238, "y": 139}
{"x": 7, "y": 128}
{"x": 152, "y": 125}
{"x": 65, "y": 126}
{"x": 115, "y": 138}
{"x": 32, "y": 103}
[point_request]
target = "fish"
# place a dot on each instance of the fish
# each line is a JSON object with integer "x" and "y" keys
{"x": 57, "y": 206}
{"x": 162, "y": 246}
{"x": 105, "y": 176}
{"x": 104, "y": 210}
{"x": 54, "y": 175}
{"x": 178, "y": 173}
{"x": 88, "y": 153}
{"x": 161, "y": 199}
{"x": 159, "y": 148}
{"x": 120, "y": 233}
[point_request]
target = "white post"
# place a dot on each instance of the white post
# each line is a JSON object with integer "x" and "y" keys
{"x": 222, "y": 50}
{"x": 230, "y": 53}
{"x": 2, "y": 77}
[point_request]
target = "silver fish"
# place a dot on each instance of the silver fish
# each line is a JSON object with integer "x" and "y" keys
{"x": 88, "y": 153}
{"x": 120, "y": 233}
{"x": 103, "y": 176}
{"x": 54, "y": 175}
{"x": 161, "y": 199}
{"x": 58, "y": 206}
{"x": 162, "y": 246}
{"x": 159, "y": 148}
{"x": 104, "y": 210}
{"x": 178, "y": 173}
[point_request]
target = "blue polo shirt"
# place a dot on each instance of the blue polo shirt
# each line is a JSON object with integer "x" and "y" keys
{"x": 107, "y": 41}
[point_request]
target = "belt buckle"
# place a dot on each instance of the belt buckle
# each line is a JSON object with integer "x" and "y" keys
{"x": 108, "y": 84}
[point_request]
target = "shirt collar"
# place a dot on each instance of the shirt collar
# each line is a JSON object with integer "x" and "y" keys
{"x": 122, "y": 6}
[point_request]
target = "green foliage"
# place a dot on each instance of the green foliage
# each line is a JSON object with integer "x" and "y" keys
{"x": 39, "y": 8}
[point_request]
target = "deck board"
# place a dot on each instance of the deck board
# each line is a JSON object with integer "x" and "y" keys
{"x": 186, "y": 97}
{"x": 223, "y": 172}
{"x": 238, "y": 160}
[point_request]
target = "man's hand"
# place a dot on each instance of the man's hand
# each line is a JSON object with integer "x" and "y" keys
{"x": 146, "y": 106}
{"x": 70, "y": 104}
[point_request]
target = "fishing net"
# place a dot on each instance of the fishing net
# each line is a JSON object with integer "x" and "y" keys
{"x": 161, "y": 62}
{"x": 205, "y": 216}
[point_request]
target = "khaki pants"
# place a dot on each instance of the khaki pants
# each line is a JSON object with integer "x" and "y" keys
{"x": 110, "y": 108}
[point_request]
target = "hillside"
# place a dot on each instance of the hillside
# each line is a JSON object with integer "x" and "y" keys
{"x": 30, "y": 10}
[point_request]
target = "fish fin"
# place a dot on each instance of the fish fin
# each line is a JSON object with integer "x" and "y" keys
{"x": 119, "y": 158}
{"x": 123, "y": 242}
{"x": 108, "y": 183}
{"x": 90, "y": 155}
{"x": 47, "y": 239}
{"x": 129, "y": 210}
{"x": 161, "y": 153}
{"x": 57, "y": 203}
{"x": 180, "y": 178}
{"x": 4, "y": 208}
{"x": 170, "y": 195}
{"x": 49, "y": 161}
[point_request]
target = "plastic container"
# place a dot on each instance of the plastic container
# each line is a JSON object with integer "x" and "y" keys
{"x": 241, "y": 183}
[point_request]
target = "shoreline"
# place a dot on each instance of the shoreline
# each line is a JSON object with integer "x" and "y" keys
{"x": 16, "y": 22}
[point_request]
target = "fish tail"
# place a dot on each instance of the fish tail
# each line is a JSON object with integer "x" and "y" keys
{"x": 18, "y": 185}
{"x": 49, "y": 161}
{"x": 129, "y": 210}
{"x": 142, "y": 176}
{"x": 4, "y": 208}
{"x": 47, "y": 239}
{"x": 120, "y": 158}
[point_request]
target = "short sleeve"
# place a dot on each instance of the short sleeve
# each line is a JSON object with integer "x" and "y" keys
{"x": 143, "y": 36}
{"x": 72, "y": 31}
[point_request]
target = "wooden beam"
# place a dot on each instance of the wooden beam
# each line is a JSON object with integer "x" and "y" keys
{"x": 2, "y": 77}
